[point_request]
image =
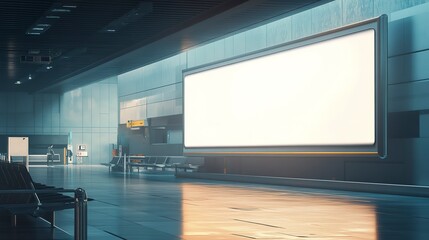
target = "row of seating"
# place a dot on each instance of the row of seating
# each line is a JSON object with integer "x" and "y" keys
{"x": 154, "y": 163}
{"x": 19, "y": 194}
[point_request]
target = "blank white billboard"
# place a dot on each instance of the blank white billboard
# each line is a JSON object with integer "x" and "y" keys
{"x": 316, "y": 95}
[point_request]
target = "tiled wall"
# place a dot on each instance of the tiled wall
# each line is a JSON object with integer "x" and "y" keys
{"x": 155, "y": 90}
{"x": 152, "y": 91}
{"x": 22, "y": 113}
{"x": 409, "y": 80}
{"x": 90, "y": 113}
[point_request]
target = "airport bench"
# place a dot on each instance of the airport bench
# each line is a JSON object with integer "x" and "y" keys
{"x": 20, "y": 195}
{"x": 165, "y": 162}
{"x": 153, "y": 162}
{"x": 186, "y": 163}
{"x": 115, "y": 162}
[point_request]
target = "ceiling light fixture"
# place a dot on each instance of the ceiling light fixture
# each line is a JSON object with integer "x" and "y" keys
{"x": 18, "y": 82}
{"x": 55, "y": 12}
{"x": 34, "y": 51}
{"x": 131, "y": 16}
{"x": 60, "y": 10}
{"x": 29, "y": 77}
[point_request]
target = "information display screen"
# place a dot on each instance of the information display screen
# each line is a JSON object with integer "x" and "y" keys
{"x": 322, "y": 95}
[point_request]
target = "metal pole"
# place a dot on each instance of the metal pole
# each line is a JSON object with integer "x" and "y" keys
{"x": 125, "y": 163}
{"x": 80, "y": 215}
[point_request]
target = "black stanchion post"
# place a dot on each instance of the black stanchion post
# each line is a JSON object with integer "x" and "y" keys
{"x": 80, "y": 215}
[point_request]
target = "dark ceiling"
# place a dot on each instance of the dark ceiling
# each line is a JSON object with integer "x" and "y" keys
{"x": 48, "y": 45}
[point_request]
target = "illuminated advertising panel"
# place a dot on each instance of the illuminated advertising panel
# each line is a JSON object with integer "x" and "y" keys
{"x": 325, "y": 94}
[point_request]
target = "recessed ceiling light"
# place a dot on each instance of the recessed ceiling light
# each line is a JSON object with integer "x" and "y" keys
{"x": 50, "y": 17}
{"x": 131, "y": 16}
{"x": 49, "y": 67}
{"x": 29, "y": 77}
{"x": 60, "y": 10}
{"x": 34, "y": 51}
{"x": 18, "y": 82}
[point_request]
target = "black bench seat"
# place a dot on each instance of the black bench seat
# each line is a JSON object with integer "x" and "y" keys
{"x": 21, "y": 195}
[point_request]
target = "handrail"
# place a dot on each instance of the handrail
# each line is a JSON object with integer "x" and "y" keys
{"x": 36, "y": 191}
{"x": 80, "y": 215}
{"x": 80, "y": 209}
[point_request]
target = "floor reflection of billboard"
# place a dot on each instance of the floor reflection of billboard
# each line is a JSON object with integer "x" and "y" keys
{"x": 261, "y": 214}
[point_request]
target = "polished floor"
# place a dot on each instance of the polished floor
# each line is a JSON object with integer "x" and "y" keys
{"x": 156, "y": 205}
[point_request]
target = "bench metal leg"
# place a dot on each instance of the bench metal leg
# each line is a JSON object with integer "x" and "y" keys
{"x": 51, "y": 218}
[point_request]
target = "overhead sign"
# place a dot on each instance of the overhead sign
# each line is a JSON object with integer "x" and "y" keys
{"x": 135, "y": 123}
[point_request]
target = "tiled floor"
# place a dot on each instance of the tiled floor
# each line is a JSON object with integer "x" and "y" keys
{"x": 158, "y": 206}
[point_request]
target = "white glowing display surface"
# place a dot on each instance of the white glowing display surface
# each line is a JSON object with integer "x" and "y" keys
{"x": 321, "y": 94}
